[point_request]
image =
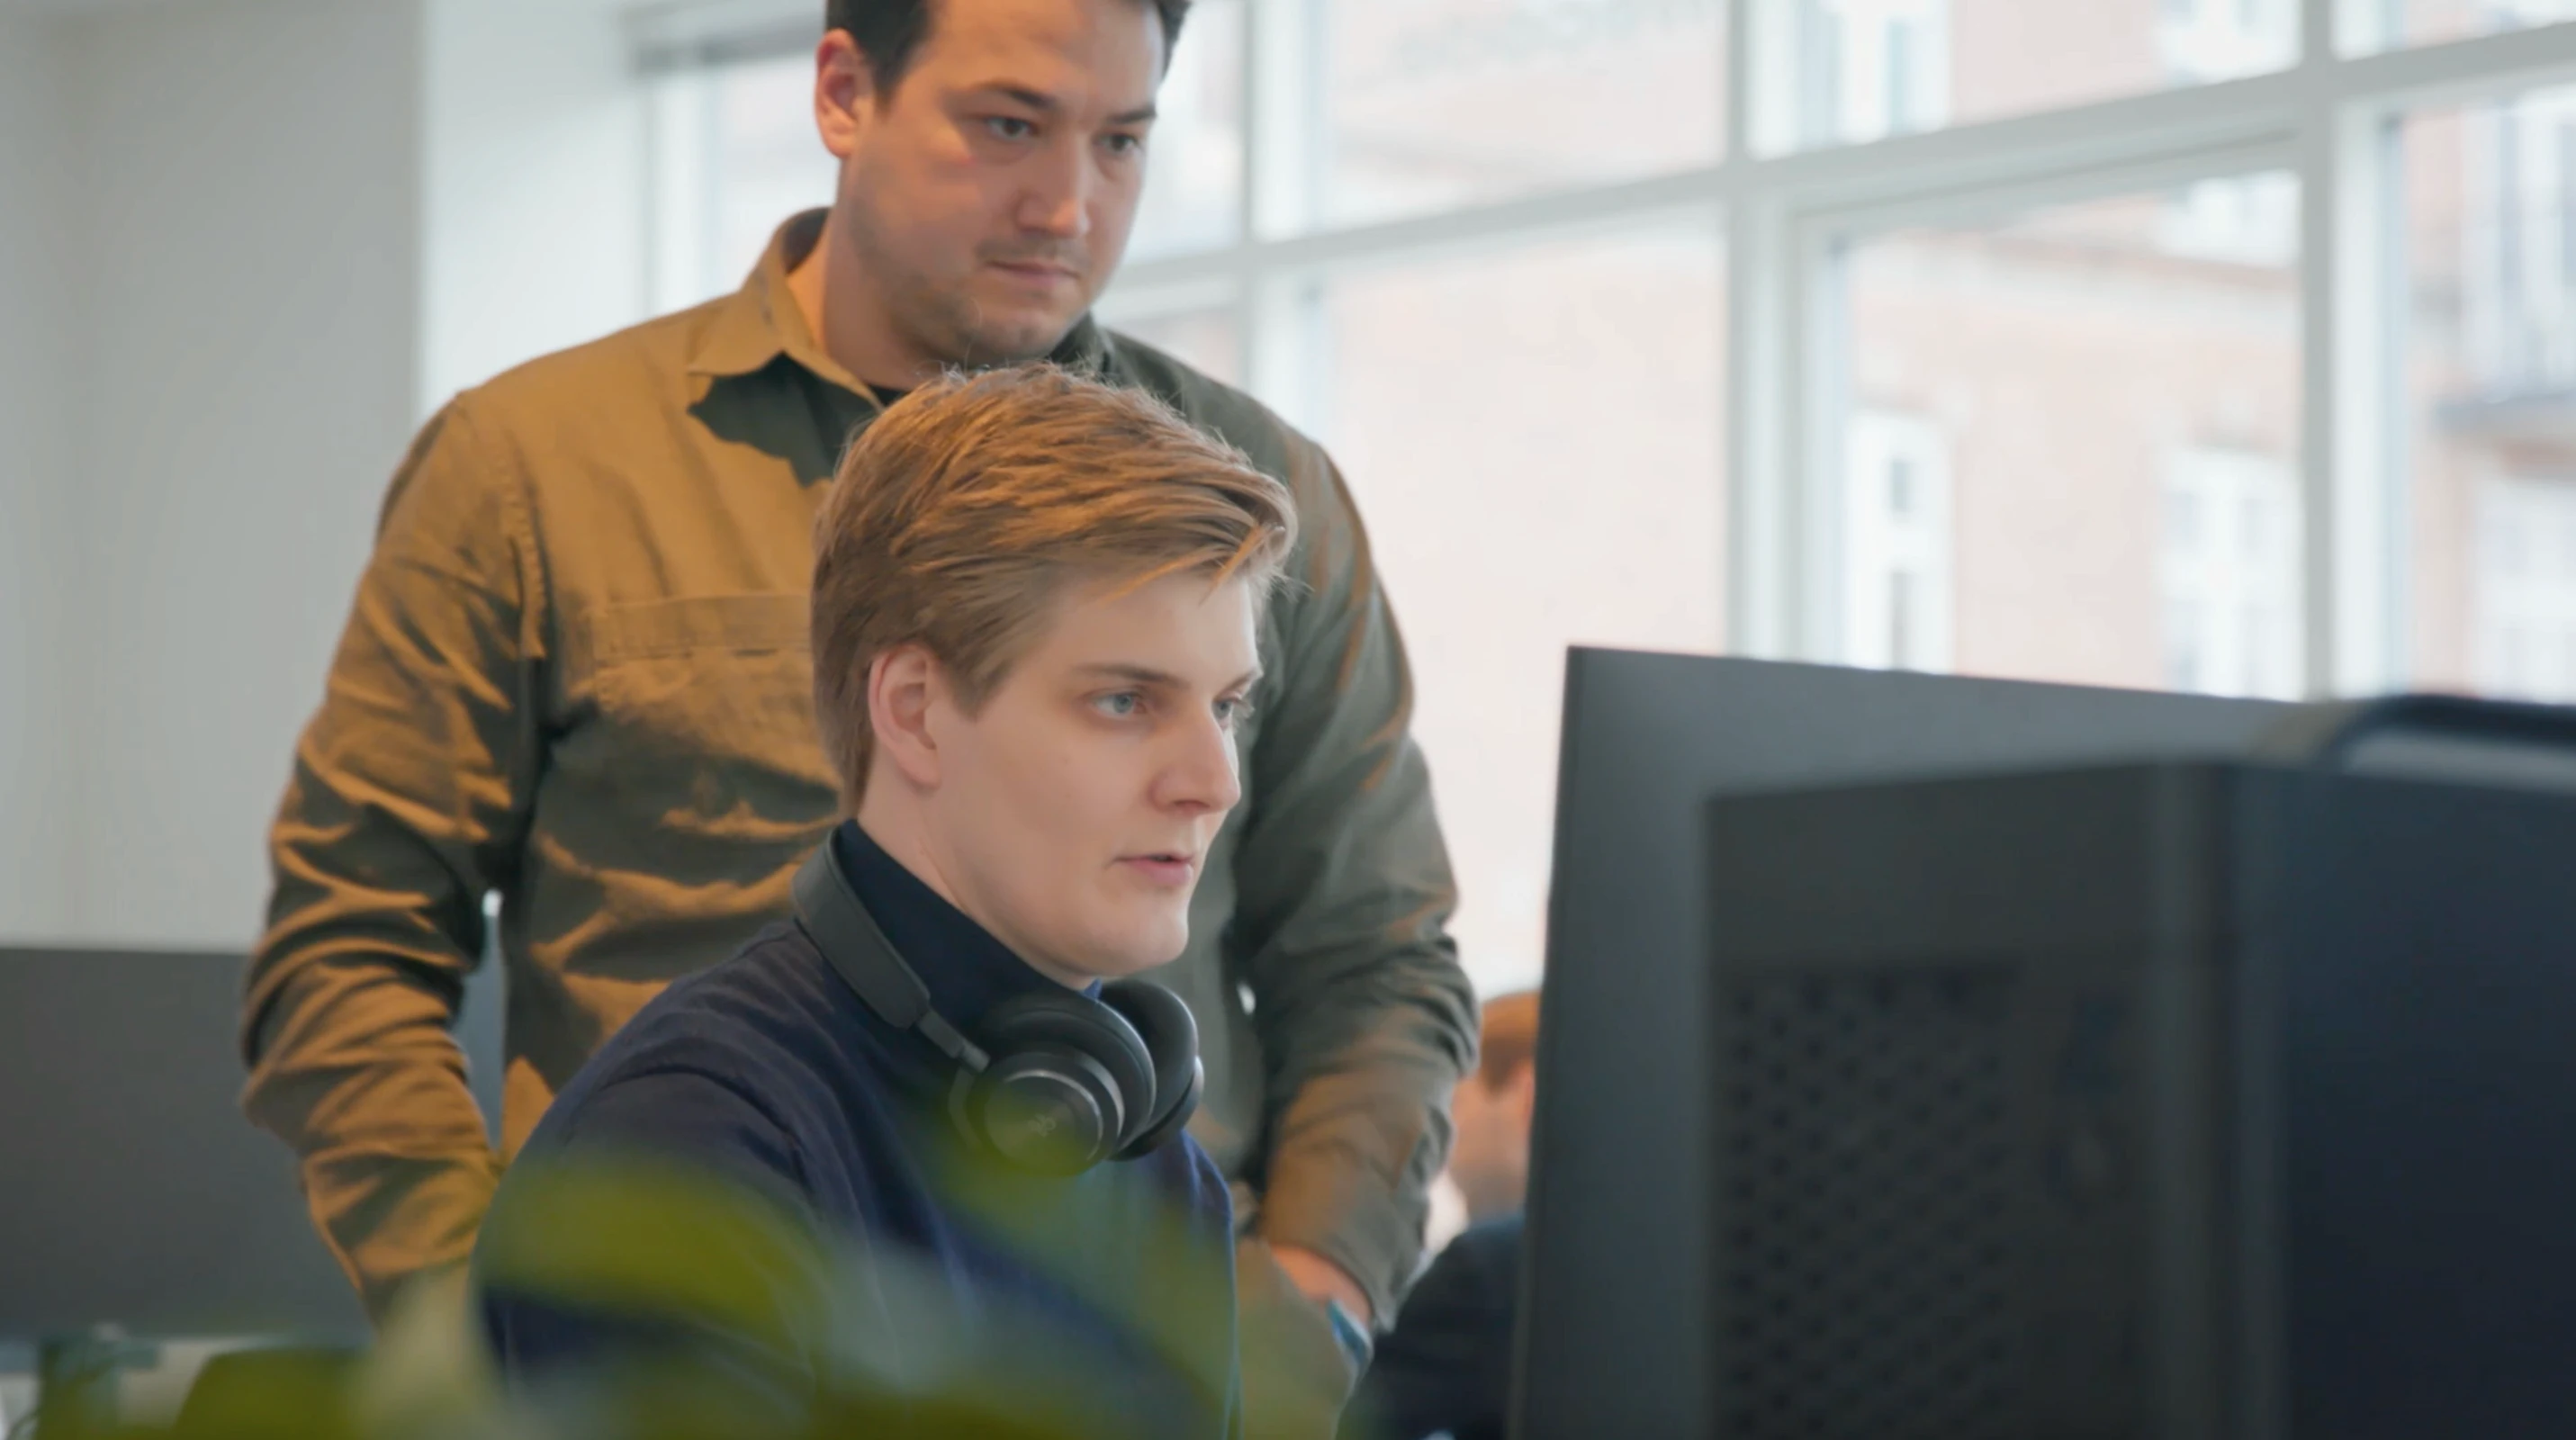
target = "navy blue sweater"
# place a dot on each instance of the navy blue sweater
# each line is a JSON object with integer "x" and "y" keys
{"x": 769, "y": 1071}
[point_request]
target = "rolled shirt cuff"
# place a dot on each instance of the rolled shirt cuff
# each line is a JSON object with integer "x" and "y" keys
{"x": 1349, "y": 1216}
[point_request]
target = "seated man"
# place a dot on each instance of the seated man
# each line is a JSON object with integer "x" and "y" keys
{"x": 1447, "y": 1367}
{"x": 945, "y": 1121}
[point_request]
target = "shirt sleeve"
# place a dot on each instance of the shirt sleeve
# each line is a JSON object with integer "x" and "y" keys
{"x": 1344, "y": 896}
{"x": 407, "y": 799}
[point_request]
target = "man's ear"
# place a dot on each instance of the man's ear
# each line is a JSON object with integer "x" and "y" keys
{"x": 903, "y": 684}
{"x": 845, "y": 92}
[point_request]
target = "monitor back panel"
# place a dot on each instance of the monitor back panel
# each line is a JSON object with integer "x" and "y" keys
{"x": 1614, "y": 1335}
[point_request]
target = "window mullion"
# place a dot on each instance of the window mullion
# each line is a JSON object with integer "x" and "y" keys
{"x": 1765, "y": 394}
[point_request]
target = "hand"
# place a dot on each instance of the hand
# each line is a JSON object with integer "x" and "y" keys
{"x": 1296, "y": 1371}
{"x": 1321, "y": 1280}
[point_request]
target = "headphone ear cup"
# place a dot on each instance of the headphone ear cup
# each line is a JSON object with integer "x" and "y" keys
{"x": 1171, "y": 1039}
{"x": 1068, "y": 1079}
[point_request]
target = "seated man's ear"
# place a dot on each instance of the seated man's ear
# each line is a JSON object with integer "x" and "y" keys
{"x": 905, "y": 685}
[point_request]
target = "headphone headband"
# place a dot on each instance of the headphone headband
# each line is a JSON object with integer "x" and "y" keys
{"x": 1116, "y": 1076}
{"x": 828, "y": 907}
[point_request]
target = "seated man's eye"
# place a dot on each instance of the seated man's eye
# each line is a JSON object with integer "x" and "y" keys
{"x": 1120, "y": 705}
{"x": 1010, "y": 127}
{"x": 1232, "y": 713}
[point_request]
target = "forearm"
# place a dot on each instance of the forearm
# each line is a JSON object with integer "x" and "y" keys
{"x": 357, "y": 1072}
{"x": 1365, "y": 1018}
{"x": 409, "y": 796}
{"x": 1358, "y": 1135}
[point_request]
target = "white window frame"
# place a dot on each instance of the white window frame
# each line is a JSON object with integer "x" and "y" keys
{"x": 2221, "y": 573}
{"x": 1851, "y": 88}
{"x": 1883, "y": 549}
{"x": 1788, "y": 214}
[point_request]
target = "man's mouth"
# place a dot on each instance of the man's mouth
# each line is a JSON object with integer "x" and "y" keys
{"x": 1039, "y": 269}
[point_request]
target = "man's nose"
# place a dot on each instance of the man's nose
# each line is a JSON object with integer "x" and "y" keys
{"x": 1204, "y": 774}
{"x": 1058, "y": 199}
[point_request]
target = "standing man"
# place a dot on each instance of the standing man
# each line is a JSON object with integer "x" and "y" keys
{"x": 576, "y": 673}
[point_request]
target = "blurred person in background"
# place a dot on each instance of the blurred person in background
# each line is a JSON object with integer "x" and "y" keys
{"x": 1491, "y": 1160}
{"x": 1446, "y": 1369}
{"x": 576, "y": 674}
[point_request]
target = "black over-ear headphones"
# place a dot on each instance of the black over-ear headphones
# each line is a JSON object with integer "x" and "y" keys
{"x": 1053, "y": 1081}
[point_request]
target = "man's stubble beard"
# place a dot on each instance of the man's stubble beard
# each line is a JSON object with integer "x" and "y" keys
{"x": 946, "y": 324}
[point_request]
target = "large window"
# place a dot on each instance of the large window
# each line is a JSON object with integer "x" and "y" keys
{"x": 734, "y": 154}
{"x": 2056, "y": 503}
{"x": 1870, "y": 69}
{"x": 2215, "y": 345}
{"x": 2490, "y": 377}
{"x": 1531, "y": 433}
{"x": 2373, "y": 24}
{"x": 1418, "y": 106}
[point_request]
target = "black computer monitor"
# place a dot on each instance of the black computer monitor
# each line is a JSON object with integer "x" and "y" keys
{"x": 2332, "y": 1016}
{"x": 1614, "y": 1339}
{"x": 133, "y": 1192}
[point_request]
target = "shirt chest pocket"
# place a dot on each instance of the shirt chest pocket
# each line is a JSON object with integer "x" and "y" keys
{"x": 699, "y": 712}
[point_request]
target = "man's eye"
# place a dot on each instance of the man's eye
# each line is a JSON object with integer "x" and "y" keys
{"x": 1010, "y": 127}
{"x": 1119, "y": 706}
{"x": 1232, "y": 713}
{"x": 1124, "y": 144}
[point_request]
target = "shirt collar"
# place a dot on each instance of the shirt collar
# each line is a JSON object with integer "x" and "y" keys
{"x": 966, "y": 970}
{"x": 761, "y": 321}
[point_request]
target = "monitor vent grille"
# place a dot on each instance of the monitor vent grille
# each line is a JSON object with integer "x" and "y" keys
{"x": 1866, "y": 1178}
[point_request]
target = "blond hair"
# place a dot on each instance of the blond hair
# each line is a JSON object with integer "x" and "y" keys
{"x": 962, "y": 513}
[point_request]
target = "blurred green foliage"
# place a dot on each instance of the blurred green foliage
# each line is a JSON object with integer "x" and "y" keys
{"x": 776, "y": 1332}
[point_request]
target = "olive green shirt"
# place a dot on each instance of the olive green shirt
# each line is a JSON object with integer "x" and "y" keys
{"x": 577, "y": 673}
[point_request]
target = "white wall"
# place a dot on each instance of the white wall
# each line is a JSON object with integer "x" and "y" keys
{"x": 36, "y": 341}
{"x": 245, "y": 247}
{"x": 536, "y": 186}
{"x": 248, "y": 231}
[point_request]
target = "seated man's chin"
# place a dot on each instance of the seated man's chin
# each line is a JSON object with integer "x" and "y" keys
{"x": 1143, "y": 953}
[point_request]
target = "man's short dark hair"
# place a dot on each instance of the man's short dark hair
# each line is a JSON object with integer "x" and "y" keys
{"x": 890, "y": 32}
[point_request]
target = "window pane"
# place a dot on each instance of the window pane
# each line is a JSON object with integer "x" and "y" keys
{"x": 1533, "y": 440}
{"x": 1873, "y": 68}
{"x": 1206, "y": 338}
{"x": 2069, "y": 448}
{"x": 2490, "y": 367}
{"x": 2379, "y": 24}
{"x": 1194, "y": 177}
{"x": 734, "y": 154}
{"x": 1432, "y": 104}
